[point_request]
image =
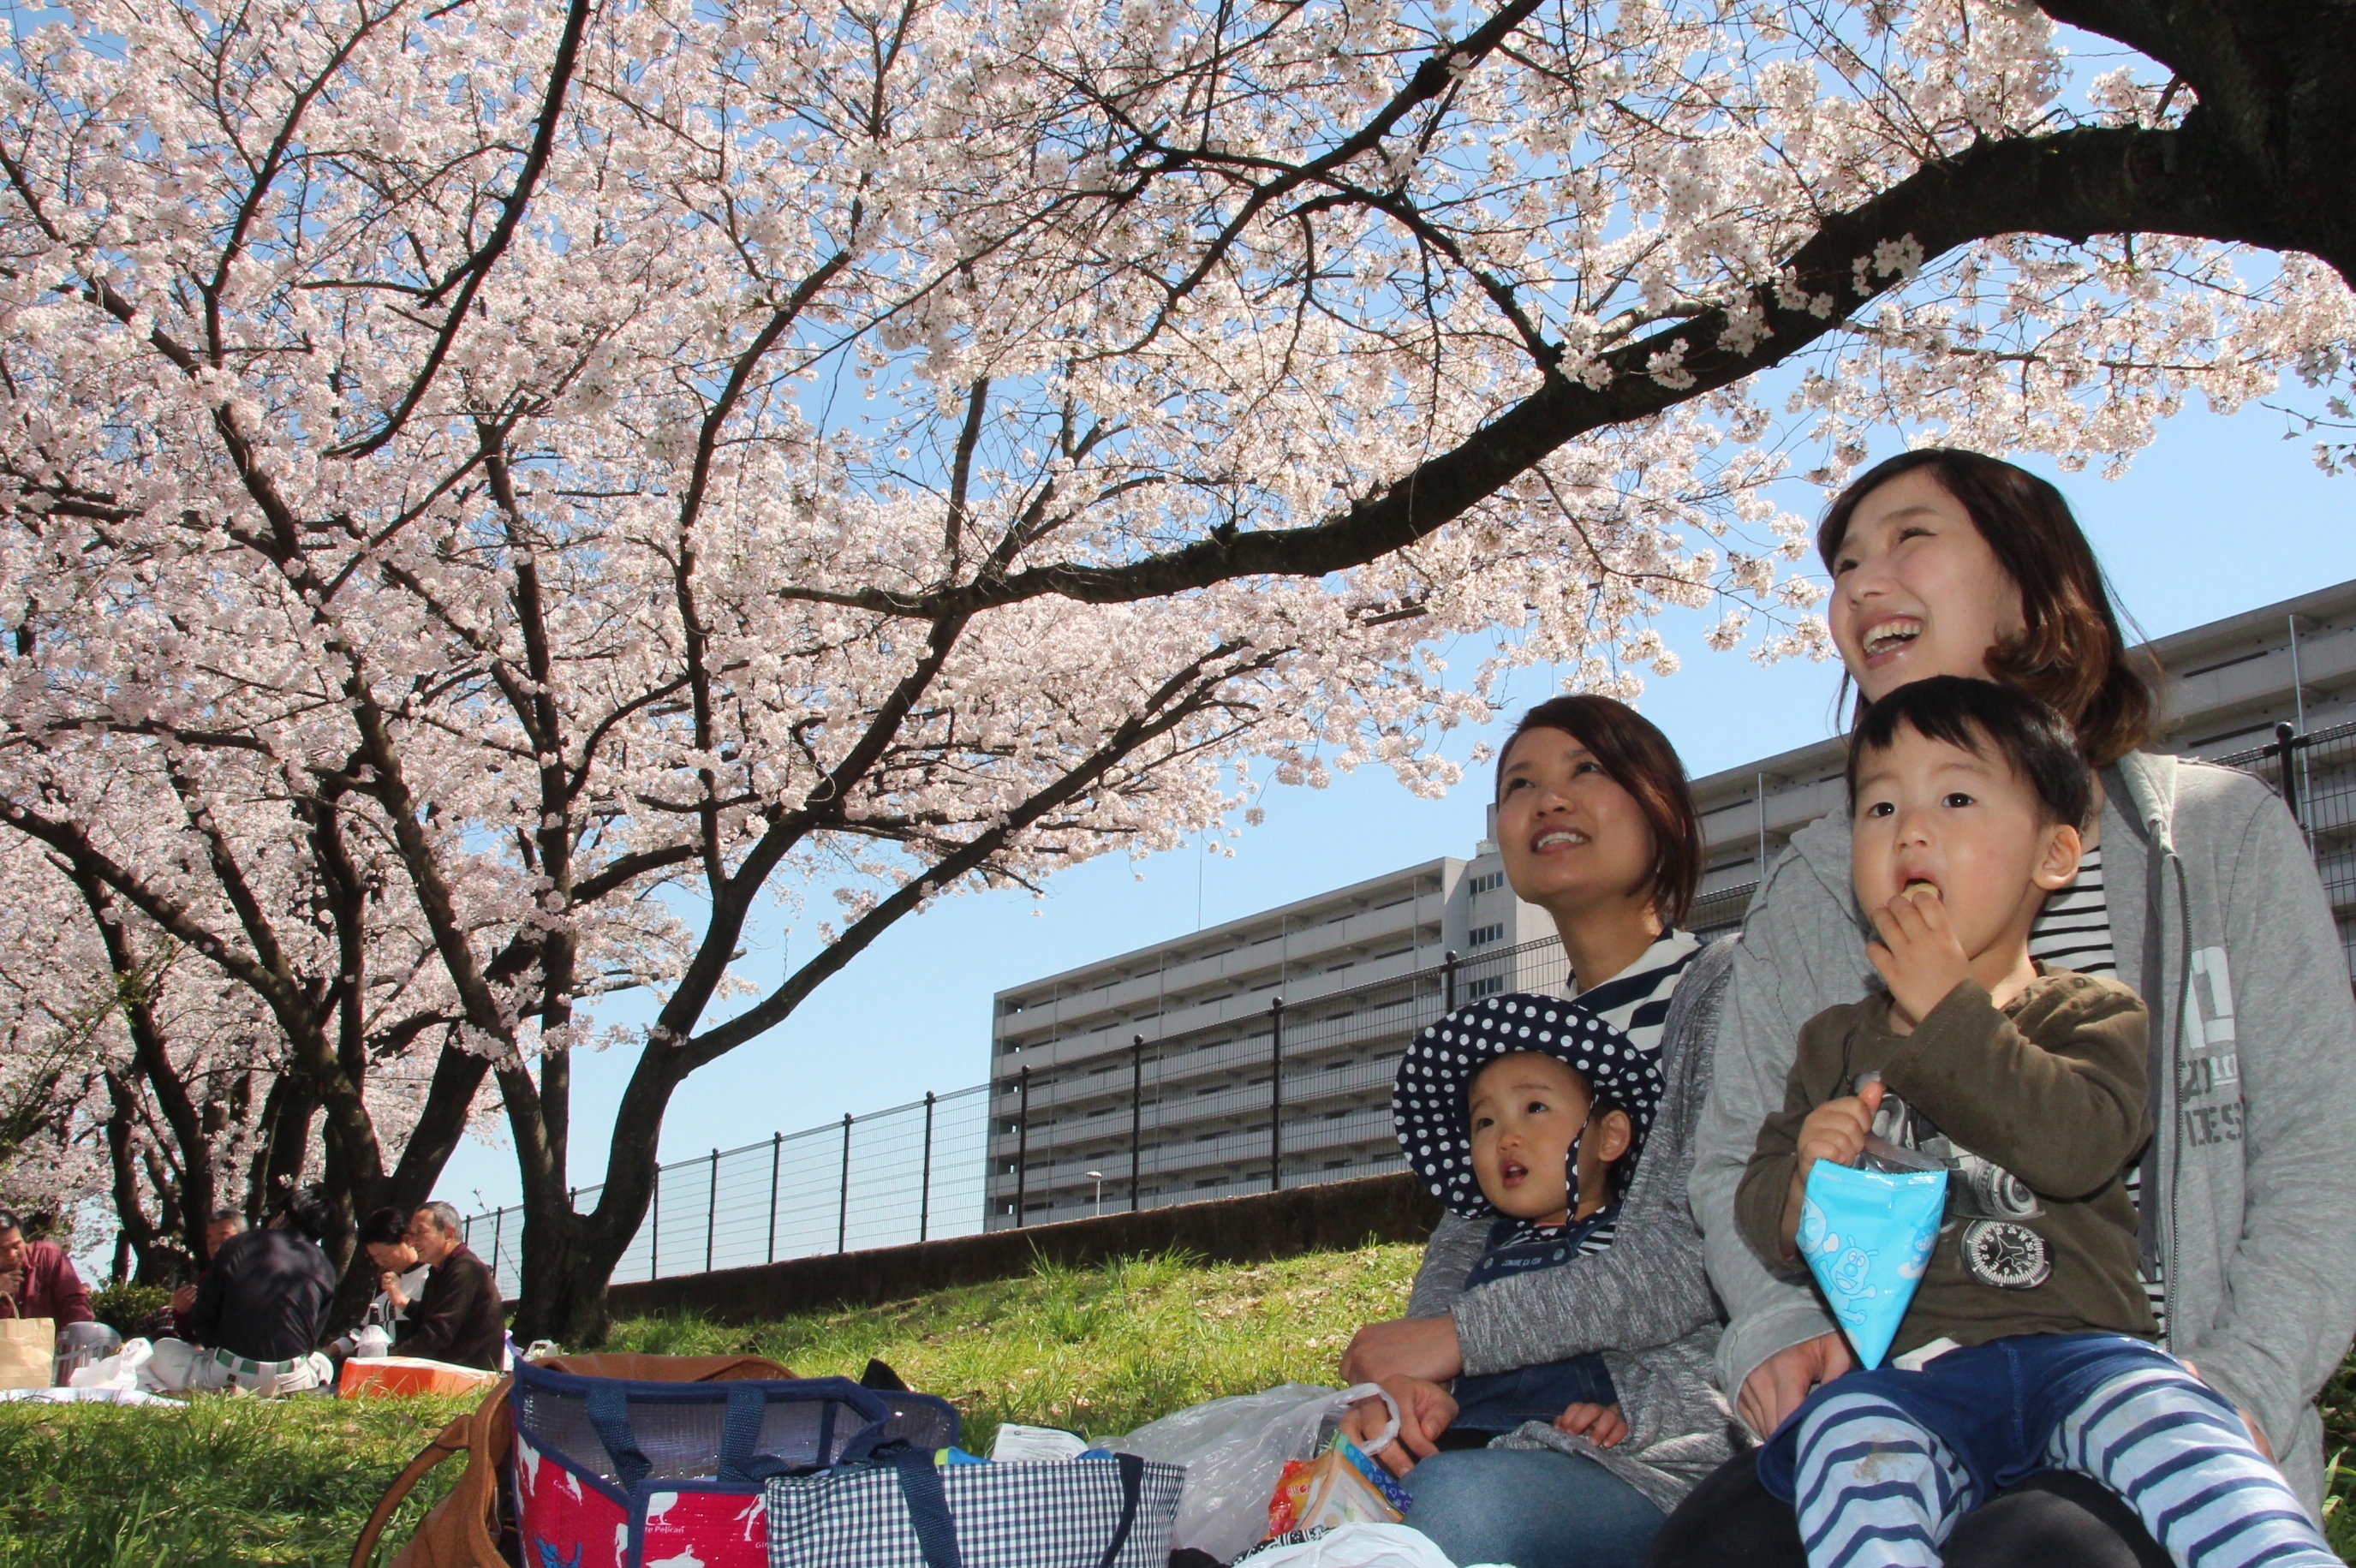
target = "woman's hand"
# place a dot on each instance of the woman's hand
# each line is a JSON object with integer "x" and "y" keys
{"x": 1602, "y": 1424}
{"x": 1426, "y": 1410}
{"x": 1405, "y": 1347}
{"x": 2257, "y": 1433}
{"x": 1777, "y": 1385}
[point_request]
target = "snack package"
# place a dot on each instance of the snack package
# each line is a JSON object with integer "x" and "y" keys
{"x": 1868, "y": 1236}
{"x": 1341, "y": 1486}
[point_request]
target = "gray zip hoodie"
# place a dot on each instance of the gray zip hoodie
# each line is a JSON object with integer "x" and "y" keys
{"x": 1643, "y": 1303}
{"x": 2221, "y": 924}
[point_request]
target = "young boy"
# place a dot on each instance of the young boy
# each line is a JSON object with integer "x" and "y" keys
{"x": 1525, "y": 1111}
{"x": 2028, "y": 1345}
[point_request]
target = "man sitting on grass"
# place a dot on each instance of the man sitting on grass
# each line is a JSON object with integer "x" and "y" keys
{"x": 262, "y": 1306}
{"x": 458, "y": 1319}
{"x": 36, "y": 1278}
{"x": 220, "y": 1226}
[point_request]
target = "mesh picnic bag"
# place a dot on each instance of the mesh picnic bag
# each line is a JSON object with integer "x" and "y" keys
{"x": 617, "y": 1473}
{"x": 899, "y": 1509}
{"x": 474, "y": 1527}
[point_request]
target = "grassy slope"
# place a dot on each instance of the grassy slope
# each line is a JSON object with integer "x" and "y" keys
{"x": 224, "y": 1481}
{"x": 234, "y": 1482}
{"x": 1099, "y": 1351}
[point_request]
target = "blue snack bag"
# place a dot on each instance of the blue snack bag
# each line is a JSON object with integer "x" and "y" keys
{"x": 1868, "y": 1236}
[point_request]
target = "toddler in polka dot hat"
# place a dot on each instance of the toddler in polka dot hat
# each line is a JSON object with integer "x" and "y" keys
{"x": 1529, "y": 1111}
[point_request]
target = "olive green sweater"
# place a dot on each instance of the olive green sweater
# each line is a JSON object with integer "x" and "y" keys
{"x": 2051, "y": 1089}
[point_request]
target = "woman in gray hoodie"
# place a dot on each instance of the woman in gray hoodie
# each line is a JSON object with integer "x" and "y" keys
{"x": 1596, "y": 827}
{"x": 2197, "y": 890}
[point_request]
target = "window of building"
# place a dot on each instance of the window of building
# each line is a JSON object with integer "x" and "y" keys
{"x": 1481, "y": 936}
{"x": 1487, "y": 882}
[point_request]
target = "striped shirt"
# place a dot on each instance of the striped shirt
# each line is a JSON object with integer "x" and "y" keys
{"x": 2074, "y": 932}
{"x": 1635, "y": 1001}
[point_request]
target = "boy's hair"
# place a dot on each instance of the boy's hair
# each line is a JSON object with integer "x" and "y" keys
{"x": 1981, "y": 717}
{"x": 1617, "y": 1175}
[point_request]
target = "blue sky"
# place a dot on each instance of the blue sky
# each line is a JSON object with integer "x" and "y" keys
{"x": 2221, "y": 516}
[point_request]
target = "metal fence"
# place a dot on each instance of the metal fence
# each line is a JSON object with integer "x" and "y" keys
{"x": 912, "y": 1173}
{"x": 923, "y": 1170}
{"x": 2315, "y": 776}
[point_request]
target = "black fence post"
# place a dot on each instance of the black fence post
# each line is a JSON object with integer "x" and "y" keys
{"x": 1021, "y": 1145}
{"x": 499, "y": 1224}
{"x": 1136, "y": 1114}
{"x": 654, "y": 1244}
{"x": 924, "y": 1198}
{"x": 712, "y": 1211}
{"x": 2285, "y": 740}
{"x": 842, "y": 1203}
{"x": 776, "y": 1147}
{"x": 1275, "y": 1094}
{"x": 1448, "y": 981}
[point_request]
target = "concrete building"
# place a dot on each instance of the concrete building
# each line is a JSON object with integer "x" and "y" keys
{"x": 1166, "y": 1074}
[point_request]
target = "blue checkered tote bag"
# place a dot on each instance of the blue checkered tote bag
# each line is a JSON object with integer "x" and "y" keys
{"x": 900, "y": 1509}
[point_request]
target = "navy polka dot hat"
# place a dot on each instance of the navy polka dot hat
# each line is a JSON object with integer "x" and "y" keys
{"x": 1435, "y": 1080}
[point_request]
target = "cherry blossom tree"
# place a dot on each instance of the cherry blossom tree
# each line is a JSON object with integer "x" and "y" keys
{"x": 498, "y": 490}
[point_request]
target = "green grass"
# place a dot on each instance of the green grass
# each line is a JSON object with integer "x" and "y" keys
{"x": 233, "y": 1481}
{"x": 224, "y": 1480}
{"x": 1099, "y": 1351}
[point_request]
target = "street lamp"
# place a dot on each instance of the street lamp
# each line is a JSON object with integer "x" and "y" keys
{"x": 1098, "y": 1177}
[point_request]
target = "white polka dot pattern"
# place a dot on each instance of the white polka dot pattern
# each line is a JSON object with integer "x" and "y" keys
{"x": 1436, "y": 1076}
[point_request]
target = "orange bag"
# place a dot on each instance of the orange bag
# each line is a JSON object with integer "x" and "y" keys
{"x": 462, "y": 1530}
{"x": 391, "y": 1376}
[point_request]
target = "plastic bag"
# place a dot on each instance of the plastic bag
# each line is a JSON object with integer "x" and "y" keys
{"x": 1234, "y": 1449}
{"x": 119, "y": 1370}
{"x": 1358, "y": 1546}
{"x": 1868, "y": 1236}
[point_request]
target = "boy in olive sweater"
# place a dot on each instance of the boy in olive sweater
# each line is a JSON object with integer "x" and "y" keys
{"x": 2028, "y": 1345}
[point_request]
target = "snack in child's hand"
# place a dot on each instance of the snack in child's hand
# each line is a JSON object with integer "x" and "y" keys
{"x": 1868, "y": 1235}
{"x": 1341, "y": 1486}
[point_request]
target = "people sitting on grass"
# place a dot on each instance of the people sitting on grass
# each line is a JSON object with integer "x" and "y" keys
{"x": 36, "y": 1278}
{"x": 220, "y": 1226}
{"x": 457, "y": 1317}
{"x": 401, "y": 1279}
{"x": 262, "y": 1308}
{"x": 1555, "y": 1364}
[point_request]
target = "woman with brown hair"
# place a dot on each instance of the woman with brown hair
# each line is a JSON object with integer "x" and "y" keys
{"x": 1596, "y": 827}
{"x": 2196, "y": 889}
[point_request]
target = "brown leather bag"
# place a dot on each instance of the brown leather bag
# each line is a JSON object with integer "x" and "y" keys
{"x": 462, "y": 1530}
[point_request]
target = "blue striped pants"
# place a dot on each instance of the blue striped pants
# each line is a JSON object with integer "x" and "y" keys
{"x": 1874, "y": 1487}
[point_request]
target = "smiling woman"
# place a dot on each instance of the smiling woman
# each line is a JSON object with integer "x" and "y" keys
{"x": 2195, "y": 890}
{"x": 1553, "y": 1364}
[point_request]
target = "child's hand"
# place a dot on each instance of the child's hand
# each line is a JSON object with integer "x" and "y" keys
{"x": 1917, "y": 955}
{"x": 1426, "y": 1410}
{"x": 1602, "y": 1424}
{"x": 1835, "y": 1131}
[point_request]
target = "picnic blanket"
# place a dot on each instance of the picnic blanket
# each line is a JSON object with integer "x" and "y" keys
{"x": 83, "y": 1396}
